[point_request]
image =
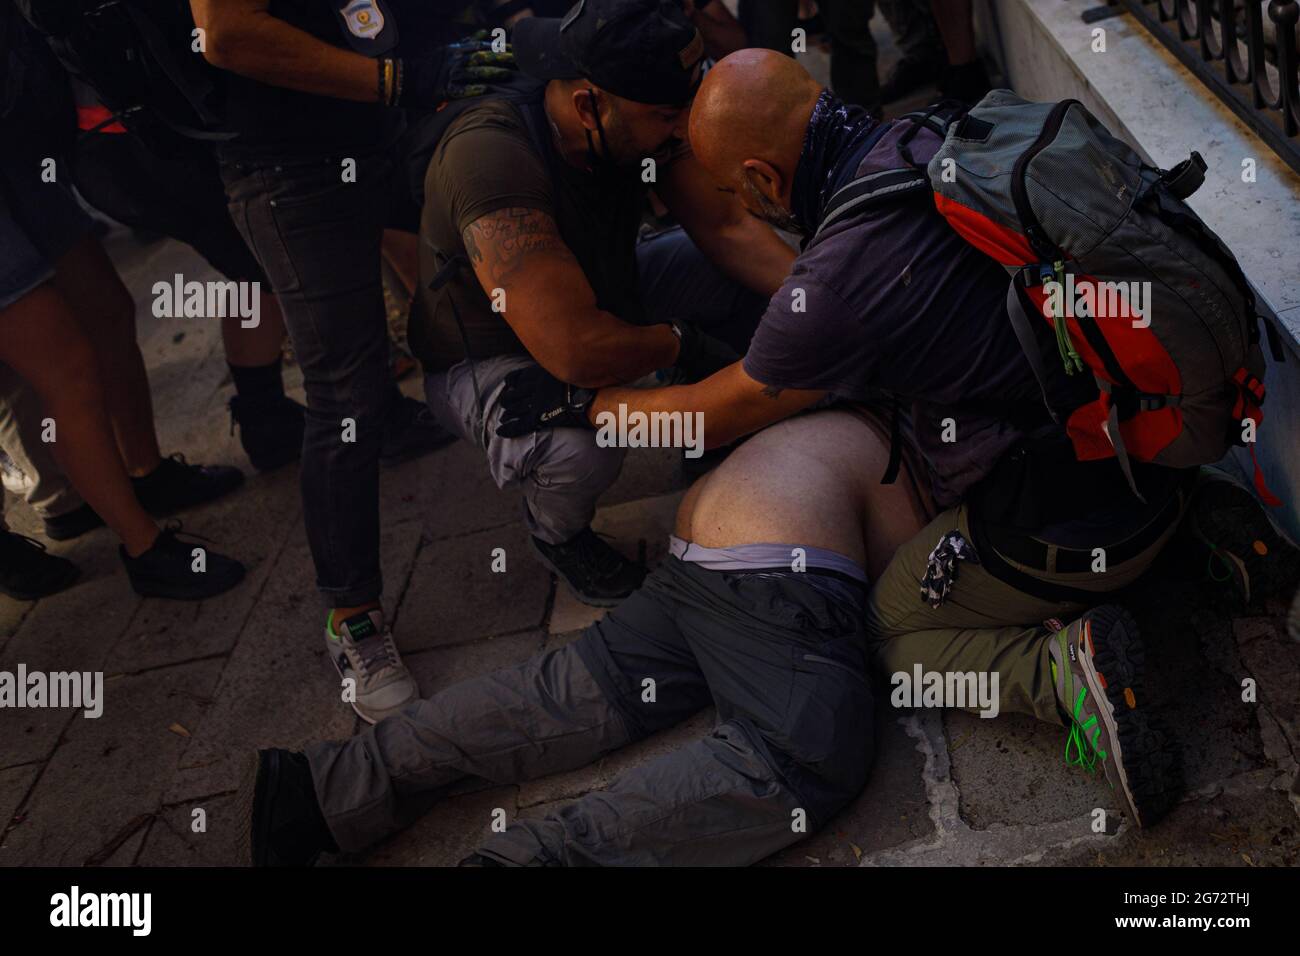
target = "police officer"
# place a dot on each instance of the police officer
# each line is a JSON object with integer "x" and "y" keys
{"x": 315, "y": 94}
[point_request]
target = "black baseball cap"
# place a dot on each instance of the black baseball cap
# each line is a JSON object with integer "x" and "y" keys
{"x": 642, "y": 50}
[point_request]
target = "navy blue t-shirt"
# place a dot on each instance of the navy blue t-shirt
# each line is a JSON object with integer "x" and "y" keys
{"x": 895, "y": 300}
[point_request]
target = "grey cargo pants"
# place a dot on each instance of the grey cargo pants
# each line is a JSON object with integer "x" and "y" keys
{"x": 781, "y": 656}
{"x": 563, "y": 472}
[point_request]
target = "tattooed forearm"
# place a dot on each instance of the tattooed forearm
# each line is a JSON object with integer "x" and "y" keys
{"x": 498, "y": 243}
{"x": 771, "y": 391}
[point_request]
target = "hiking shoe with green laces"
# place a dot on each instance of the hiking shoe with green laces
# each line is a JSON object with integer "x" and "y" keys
{"x": 1239, "y": 541}
{"x": 1097, "y": 666}
{"x": 363, "y": 651}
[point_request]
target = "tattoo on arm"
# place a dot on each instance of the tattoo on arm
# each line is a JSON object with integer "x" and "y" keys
{"x": 771, "y": 391}
{"x": 498, "y": 244}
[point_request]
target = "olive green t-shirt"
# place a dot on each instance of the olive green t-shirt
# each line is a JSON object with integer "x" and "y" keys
{"x": 487, "y": 161}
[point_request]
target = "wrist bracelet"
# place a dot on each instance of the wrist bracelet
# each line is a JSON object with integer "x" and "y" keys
{"x": 382, "y": 81}
{"x": 399, "y": 71}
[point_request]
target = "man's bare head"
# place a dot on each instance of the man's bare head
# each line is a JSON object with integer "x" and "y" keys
{"x": 748, "y": 124}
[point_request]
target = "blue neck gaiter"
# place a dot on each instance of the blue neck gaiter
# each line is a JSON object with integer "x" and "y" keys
{"x": 838, "y": 136}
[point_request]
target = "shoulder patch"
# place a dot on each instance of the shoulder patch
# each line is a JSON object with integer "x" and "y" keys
{"x": 368, "y": 26}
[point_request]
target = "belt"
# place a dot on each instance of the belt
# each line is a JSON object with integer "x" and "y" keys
{"x": 997, "y": 547}
{"x": 1033, "y": 553}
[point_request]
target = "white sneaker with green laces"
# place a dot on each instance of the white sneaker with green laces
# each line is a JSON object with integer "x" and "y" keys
{"x": 363, "y": 651}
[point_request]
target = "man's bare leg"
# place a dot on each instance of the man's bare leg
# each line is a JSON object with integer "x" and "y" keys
{"x": 105, "y": 312}
{"x": 43, "y": 343}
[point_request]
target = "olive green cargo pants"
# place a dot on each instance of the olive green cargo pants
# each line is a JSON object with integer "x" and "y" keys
{"x": 987, "y": 625}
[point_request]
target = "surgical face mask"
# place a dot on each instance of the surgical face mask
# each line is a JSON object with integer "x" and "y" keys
{"x": 768, "y": 211}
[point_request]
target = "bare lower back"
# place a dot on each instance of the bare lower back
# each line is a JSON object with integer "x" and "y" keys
{"x": 812, "y": 481}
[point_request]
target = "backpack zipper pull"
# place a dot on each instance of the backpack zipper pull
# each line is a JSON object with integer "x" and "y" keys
{"x": 1069, "y": 357}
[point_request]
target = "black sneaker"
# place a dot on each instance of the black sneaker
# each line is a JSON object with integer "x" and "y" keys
{"x": 909, "y": 75}
{"x": 968, "y": 82}
{"x": 277, "y": 812}
{"x": 73, "y": 524}
{"x": 595, "y": 573}
{"x": 167, "y": 569}
{"x": 410, "y": 431}
{"x": 270, "y": 430}
{"x": 27, "y": 572}
{"x": 176, "y": 484}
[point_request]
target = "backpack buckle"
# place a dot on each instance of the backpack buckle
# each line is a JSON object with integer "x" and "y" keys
{"x": 1250, "y": 385}
{"x": 1187, "y": 177}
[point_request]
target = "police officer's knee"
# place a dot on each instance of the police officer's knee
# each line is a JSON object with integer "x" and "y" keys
{"x": 573, "y": 459}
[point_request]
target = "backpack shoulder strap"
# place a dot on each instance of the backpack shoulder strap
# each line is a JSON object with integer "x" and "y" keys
{"x": 872, "y": 190}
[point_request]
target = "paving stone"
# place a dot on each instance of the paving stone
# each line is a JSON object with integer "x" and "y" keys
{"x": 172, "y": 840}
{"x": 279, "y": 688}
{"x": 73, "y": 631}
{"x": 14, "y": 784}
{"x": 461, "y": 496}
{"x": 1274, "y": 662}
{"x": 1196, "y": 682}
{"x": 1009, "y": 770}
{"x": 405, "y": 493}
{"x": 454, "y": 596}
{"x": 639, "y": 530}
{"x": 109, "y": 772}
{"x": 1242, "y": 830}
{"x": 184, "y": 356}
{"x": 128, "y": 851}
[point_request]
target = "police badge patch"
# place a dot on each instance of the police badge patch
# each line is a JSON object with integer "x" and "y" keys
{"x": 363, "y": 18}
{"x": 368, "y": 26}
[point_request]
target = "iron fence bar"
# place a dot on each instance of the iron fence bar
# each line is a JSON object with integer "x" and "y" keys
{"x": 1187, "y": 28}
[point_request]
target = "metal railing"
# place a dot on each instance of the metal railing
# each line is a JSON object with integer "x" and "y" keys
{"x": 1245, "y": 51}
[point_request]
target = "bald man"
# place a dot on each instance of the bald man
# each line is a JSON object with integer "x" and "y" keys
{"x": 758, "y": 611}
{"x": 890, "y": 301}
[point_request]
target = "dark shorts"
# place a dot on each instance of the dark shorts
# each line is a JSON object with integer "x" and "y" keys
{"x": 183, "y": 200}
{"x": 39, "y": 221}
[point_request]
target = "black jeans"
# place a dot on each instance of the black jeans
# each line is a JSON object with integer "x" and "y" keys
{"x": 318, "y": 240}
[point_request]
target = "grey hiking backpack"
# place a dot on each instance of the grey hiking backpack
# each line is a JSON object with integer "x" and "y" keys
{"x": 1138, "y": 292}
